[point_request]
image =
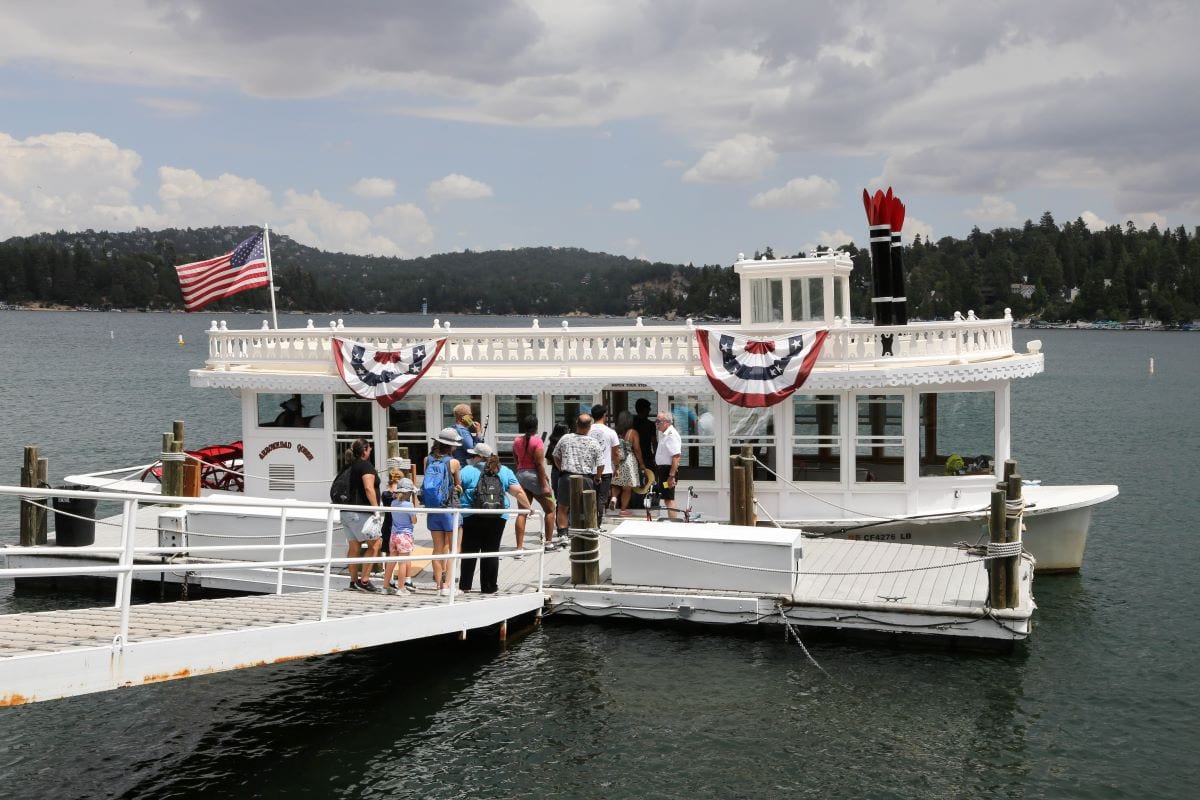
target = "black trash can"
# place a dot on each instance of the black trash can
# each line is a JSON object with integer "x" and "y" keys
{"x": 70, "y": 531}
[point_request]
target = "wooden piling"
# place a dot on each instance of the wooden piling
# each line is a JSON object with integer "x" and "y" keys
{"x": 1012, "y": 564}
{"x": 166, "y": 476}
{"x": 997, "y": 576}
{"x": 191, "y": 478}
{"x": 575, "y": 518}
{"x": 737, "y": 492}
{"x": 748, "y": 462}
{"x": 177, "y": 431}
{"x": 28, "y": 478}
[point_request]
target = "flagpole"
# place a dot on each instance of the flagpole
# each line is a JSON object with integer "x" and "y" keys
{"x": 270, "y": 272}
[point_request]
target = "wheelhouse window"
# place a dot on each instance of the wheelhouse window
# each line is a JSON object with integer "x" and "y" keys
{"x": 816, "y": 438}
{"x": 692, "y": 416}
{"x": 808, "y": 299}
{"x": 766, "y": 300}
{"x": 879, "y": 438}
{"x": 754, "y": 427}
{"x": 958, "y": 433}
{"x": 511, "y": 411}
{"x": 408, "y": 418}
{"x": 290, "y": 410}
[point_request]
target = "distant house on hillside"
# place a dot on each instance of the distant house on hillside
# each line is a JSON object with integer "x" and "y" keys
{"x": 1024, "y": 289}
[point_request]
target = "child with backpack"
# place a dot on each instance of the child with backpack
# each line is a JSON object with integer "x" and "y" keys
{"x": 400, "y": 543}
{"x": 439, "y": 488}
{"x": 486, "y": 487}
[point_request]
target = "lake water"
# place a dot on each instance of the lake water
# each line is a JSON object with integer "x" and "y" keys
{"x": 1102, "y": 702}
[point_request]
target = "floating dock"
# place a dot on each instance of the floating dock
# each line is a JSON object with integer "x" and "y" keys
{"x": 650, "y": 571}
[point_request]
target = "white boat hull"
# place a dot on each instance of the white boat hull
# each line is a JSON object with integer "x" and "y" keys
{"x": 1057, "y": 519}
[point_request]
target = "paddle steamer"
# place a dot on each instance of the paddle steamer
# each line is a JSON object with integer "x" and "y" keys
{"x": 896, "y": 439}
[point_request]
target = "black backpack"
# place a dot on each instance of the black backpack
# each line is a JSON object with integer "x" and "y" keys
{"x": 339, "y": 490}
{"x": 489, "y": 492}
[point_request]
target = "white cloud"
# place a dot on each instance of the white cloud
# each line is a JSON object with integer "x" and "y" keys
{"x": 994, "y": 209}
{"x": 741, "y": 159}
{"x": 631, "y": 243}
{"x": 1093, "y": 222}
{"x": 457, "y": 187}
{"x": 913, "y": 227}
{"x": 68, "y": 181}
{"x": 374, "y": 187}
{"x": 1143, "y": 220}
{"x": 190, "y": 200}
{"x": 835, "y": 239}
{"x": 74, "y": 181}
{"x": 407, "y": 226}
{"x": 803, "y": 193}
{"x": 632, "y": 204}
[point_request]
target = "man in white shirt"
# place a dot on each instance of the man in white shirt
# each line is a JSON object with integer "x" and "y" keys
{"x": 610, "y": 447}
{"x": 666, "y": 461}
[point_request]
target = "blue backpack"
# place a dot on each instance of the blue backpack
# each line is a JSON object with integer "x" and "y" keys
{"x": 435, "y": 487}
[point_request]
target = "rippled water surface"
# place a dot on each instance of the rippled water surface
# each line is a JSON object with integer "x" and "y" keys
{"x": 1101, "y": 703}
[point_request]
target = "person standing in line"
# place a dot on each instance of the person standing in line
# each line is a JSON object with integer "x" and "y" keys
{"x": 610, "y": 457}
{"x": 400, "y": 542}
{"x": 628, "y": 473}
{"x": 530, "y": 453}
{"x": 556, "y": 434}
{"x": 439, "y": 487}
{"x": 575, "y": 454}
{"x": 666, "y": 461}
{"x": 646, "y": 431}
{"x": 362, "y": 493}
{"x": 468, "y": 433}
{"x": 487, "y": 484}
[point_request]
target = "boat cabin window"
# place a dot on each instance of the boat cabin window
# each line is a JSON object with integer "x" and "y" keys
{"x": 450, "y": 401}
{"x": 808, "y": 299}
{"x": 958, "y": 433}
{"x": 879, "y": 438}
{"x": 816, "y": 438}
{"x": 290, "y": 410}
{"x": 839, "y": 298}
{"x": 408, "y": 418}
{"x": 511, "y": 411}
{"x": 692, "y": 416}
{"x": 754, "y": 427}
{"x": 766, "y": 300}
{"x": 566, "y": 407}
{"x": 352, "y": 420}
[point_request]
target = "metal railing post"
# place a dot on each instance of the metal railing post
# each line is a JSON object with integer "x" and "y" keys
{"x": 125, "y": 581}
{"x": 454, "y": 562}
{"x": 328, "y": 564}
{"x": 282, "y": 534}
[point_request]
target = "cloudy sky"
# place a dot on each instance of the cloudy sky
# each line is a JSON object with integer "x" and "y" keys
{"x": 683, "y": 131}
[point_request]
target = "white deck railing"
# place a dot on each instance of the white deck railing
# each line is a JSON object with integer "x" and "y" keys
{"x": 615, "y": 346}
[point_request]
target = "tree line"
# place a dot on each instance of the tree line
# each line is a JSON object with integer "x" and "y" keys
{"x": 1041, "y": 270}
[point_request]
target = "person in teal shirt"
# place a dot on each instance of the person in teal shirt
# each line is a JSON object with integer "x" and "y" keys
{"x": 482, "y": 532}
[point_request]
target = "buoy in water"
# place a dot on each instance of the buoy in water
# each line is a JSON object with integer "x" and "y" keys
{"x": 1151, "y": 365}
{"x": 181, "y": 340}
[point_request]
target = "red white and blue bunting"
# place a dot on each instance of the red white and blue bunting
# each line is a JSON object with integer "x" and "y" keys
{"x": 384, "y": 376}
{"x": 757, "y": 373}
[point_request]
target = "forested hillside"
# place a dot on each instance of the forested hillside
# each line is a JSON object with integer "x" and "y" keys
{"x": 1041, "y": 270}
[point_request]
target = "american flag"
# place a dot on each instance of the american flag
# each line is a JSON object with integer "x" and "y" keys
{"x": 205, "y": 281}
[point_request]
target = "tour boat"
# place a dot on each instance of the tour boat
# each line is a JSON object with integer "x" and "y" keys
{"x": 895, "y": 432}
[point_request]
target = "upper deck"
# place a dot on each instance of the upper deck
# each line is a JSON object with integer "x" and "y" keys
{"x": 778, "y": 296}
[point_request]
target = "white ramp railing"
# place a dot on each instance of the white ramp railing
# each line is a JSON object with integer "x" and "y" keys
{"x": 221, "y": 558}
